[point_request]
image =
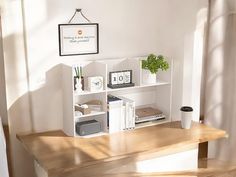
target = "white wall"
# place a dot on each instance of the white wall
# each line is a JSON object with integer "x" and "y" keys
{"x": 194, "y": 54}
{"x": 127, "y": 29}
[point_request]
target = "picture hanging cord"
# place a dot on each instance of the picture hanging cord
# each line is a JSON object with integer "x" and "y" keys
{"x": 79, "y": 11}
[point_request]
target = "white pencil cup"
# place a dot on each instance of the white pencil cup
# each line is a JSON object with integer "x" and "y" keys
{"x": 186, "y": 117}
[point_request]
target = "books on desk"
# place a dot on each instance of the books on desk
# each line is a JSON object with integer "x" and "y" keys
{"x": 121, "y": 113}
{"x": 148, "y": 114}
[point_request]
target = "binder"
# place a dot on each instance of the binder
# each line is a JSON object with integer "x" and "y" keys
{"x": 114, "y": 114}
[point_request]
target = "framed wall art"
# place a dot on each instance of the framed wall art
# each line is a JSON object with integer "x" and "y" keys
{"x": 78, "y": 39}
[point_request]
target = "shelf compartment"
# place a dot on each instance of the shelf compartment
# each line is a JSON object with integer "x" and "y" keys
{"x": 94, "y": 69}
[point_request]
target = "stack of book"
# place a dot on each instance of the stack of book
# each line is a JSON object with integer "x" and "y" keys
{"x": 148, "y": 114}
{"x": 121, "y": 114}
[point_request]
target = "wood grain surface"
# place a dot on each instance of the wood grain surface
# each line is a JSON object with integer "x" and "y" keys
{"x": 58, "y": 153}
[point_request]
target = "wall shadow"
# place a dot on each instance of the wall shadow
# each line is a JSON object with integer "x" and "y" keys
{"x": 50, "y": 99}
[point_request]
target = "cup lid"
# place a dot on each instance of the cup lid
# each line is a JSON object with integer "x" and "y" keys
{"x": 186, "y": 109}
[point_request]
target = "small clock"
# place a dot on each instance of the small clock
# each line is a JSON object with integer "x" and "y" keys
{"x": 95, "y": 83}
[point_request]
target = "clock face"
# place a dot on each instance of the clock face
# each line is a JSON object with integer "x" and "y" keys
{"x": 95, "y": 83}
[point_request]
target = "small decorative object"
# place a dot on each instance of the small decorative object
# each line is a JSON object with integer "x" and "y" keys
{"x": 78, "y": 79}
{"x": 84, "y": 109}
{"x": 78, "y": 85}
{"x": 94, "y": 105}
{"x": 88, "y": 127}
{"x": 78, "y": 39}
{"x": 95, "y": 83}
{"x": 120, "y": 79}
{"x": 151, "y": 66}
{"x": 186, "y": 117}
{"x": 78, "y": 113}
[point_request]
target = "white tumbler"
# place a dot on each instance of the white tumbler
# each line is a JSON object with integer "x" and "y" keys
{"x": 186, "y": 117}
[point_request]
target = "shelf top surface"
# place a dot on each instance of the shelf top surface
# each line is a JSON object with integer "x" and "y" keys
{"x": 93, "y": 113}
{"x": 86, "y": 92}
{"x": 139, "y": 86}
{"x": 56, "y": 152}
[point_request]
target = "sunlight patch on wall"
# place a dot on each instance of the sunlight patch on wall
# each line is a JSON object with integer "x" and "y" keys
{"x": 193, "y": 58}
{"x": 12, "y": 18}
{"x": 35, "y": 13}
{"x": 198, "y": 57}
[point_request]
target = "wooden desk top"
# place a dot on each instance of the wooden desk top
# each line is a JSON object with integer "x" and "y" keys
{"x": 56, "y": 152}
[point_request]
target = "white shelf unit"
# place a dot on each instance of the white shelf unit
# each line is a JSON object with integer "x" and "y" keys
{"x": 156, "y": 95}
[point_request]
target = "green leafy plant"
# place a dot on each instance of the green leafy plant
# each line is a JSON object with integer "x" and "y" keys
{"x": 78, "y": 71}
{"x": 153, "y": 63}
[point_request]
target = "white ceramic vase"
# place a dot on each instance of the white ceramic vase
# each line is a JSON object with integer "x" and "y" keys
{"x": 148, "y": 77}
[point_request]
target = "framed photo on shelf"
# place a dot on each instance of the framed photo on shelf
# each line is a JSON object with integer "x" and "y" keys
{"x": 78, "y": 39}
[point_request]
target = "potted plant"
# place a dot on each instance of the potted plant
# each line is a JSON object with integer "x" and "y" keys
{"x": 150, "y": 67}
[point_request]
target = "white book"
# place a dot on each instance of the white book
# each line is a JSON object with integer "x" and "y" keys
{"x": 129, "y": 112}
{"x": 123, "y": 121}
{"x": 132, "y": 114}
{"x": 115, "y": 113}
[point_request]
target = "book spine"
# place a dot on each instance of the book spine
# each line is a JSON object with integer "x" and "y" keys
{"x": 133, "y": 115}
{"x": 123, "y": 126}
{"x": 126, "y": 116}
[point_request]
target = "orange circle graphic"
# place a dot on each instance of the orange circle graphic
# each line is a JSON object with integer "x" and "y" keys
{"x": 80, "y": 32}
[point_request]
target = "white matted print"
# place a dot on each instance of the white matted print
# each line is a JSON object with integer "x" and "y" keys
{"x": 78, "y": 39}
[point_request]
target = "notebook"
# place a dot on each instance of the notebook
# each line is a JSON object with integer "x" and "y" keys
{"x": 147, "y": 112}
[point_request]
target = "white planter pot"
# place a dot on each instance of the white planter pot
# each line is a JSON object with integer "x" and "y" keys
{"x": 148, "y": 77}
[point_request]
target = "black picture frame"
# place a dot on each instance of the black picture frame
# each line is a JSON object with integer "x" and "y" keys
{"x": 69, "y": 44}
